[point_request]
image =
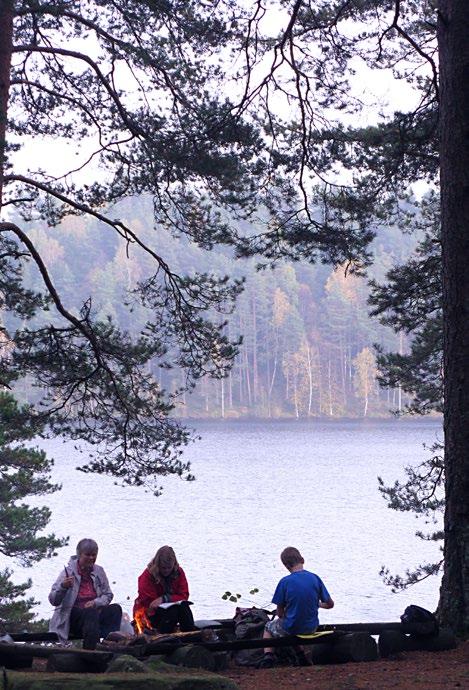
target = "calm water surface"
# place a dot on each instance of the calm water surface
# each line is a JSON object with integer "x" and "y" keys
{"x": 260, "y": 486}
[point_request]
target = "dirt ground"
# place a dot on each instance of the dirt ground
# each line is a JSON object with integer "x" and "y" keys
{"x": 420, "y": 670}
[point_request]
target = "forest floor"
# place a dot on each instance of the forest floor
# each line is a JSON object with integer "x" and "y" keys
{"x": 405, "y": 671}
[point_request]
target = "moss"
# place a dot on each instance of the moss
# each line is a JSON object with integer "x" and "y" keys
{"x": 126, "y": 664}
{"x": 117, "y": 681}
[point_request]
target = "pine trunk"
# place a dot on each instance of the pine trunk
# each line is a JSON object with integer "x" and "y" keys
{"x": 6, "y": 42}
{"x": 453, "y": 43}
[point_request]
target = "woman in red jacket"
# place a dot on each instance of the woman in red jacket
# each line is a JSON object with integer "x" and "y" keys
{"x": 163, "y": 593}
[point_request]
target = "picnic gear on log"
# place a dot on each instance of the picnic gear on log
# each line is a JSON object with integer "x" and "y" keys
{"x": 249, "y": 623}
{"x": 418, "y": 621}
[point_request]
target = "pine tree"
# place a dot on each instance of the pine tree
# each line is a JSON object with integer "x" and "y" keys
{"x": 24, "y": 472}
{"x": 130, "y": 89}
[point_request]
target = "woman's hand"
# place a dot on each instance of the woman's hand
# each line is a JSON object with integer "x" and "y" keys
{"x": 67, "y": 582}
{"x": 89, "y": 604}
{"x": 155, "y": 603}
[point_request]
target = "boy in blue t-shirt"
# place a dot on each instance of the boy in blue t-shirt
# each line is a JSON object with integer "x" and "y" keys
{"x": 298, "y": 597}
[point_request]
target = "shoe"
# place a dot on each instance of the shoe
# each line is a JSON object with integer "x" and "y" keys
{"x": 267, "y": 661}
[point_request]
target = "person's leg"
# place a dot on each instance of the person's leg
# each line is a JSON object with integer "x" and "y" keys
{"x": 109, "y": 619}
{"x": 184, "y": 616}
{"x": 90, "y": 628}
{"x": 304, "y": 653}
{"x": 303, "y": 657}
{"x": 267, "y": 636}
{"x": 272, "y": 629}
{"x": 76, "y": 622}
{"x": 165, "y": 620}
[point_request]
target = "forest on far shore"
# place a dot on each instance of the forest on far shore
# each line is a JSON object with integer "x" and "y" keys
{"x": 308, "y": 341}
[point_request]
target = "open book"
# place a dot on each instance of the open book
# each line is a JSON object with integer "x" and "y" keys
{"x": 167, "y": 604}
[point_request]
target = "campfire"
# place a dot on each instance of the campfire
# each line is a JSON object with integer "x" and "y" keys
{"x": 141, "y": 622}
{"x": 145, "y": 633}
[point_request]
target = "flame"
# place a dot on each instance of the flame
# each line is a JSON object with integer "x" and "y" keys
{"x": 141, "y": 621}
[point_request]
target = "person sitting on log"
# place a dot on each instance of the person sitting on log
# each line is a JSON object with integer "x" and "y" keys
{"x": 162, "y": 583}
{"x": 82, "y": 597}
{"x": 298, "y": 597}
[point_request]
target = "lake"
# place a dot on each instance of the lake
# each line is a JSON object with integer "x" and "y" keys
{"x": 260, "y": 486}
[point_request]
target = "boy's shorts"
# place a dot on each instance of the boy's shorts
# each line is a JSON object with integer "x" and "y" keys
{"x": 275, "y": 628}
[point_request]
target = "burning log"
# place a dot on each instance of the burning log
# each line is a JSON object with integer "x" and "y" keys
{"x": 141, "y": 622}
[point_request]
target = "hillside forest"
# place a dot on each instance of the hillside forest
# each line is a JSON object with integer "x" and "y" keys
{"x": 306, "y": 338}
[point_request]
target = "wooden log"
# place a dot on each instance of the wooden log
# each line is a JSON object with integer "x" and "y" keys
{"x": 76, "y": 663}
{"x": 193, "y": 656}
{"x": 233, "y": 645}
{"x": 371, "y": 628}
{"x": 34, "y": 637}
{"x": 28, "y": 651}
{"x": 393, "y": 642}
{"x": 358, "y": 646}
{"x": 437, "y": 643}
{"x": 14, "y": 662}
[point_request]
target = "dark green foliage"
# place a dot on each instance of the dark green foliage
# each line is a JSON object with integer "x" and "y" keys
{"x": 143, "y": 108}
{"x": 411, "y": 302}
{"x": 24, "y": 472}
{"x": 423, "y": 494}
{"x": 15, "y": 610}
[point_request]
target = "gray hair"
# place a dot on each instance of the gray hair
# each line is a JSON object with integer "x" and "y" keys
{"x": 87, "y": 545}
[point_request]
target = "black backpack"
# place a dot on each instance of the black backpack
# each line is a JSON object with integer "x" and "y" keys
{"x": 418, "y": 621}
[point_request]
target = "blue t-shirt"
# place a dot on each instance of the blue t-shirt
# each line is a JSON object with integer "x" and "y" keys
{"x": 300, "y": 594}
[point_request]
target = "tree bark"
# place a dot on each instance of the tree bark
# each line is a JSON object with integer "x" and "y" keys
{"x": 453, "y": 45}
{"x": 6, "y": 44}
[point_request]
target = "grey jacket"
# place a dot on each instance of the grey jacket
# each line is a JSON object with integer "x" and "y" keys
{"x": 64, "y": 599}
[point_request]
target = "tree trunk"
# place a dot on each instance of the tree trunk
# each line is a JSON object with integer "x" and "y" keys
{"x": 6, "y": 42}
{"x": 255, "y": 371}
{"x": 222, "y": 397}
{"x": 453, "y": 44}
{"x": 310, "y": 380}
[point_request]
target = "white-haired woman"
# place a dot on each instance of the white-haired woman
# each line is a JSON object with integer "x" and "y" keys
{"x": 82, "y": 597}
